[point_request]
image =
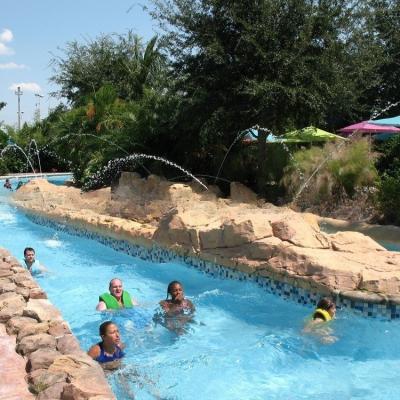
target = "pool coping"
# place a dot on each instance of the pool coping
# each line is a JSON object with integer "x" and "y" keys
{"x": 363, "y": 303}
{"x": 55, "y": 365}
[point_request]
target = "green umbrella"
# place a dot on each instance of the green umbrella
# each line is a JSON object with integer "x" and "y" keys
{"x": 309, "y": 135}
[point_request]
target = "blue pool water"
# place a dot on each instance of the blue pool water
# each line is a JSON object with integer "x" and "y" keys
{"x": 245, "y": 344}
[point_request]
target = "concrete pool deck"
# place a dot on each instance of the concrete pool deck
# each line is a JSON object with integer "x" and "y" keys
{"x": 240, "y": 233}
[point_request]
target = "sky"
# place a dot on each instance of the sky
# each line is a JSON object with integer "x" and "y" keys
{"x": 33, "y": 31}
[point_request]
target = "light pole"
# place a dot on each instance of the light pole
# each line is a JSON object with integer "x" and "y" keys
{"x": 19, "y": 94}
{"x": 37, "y": 116}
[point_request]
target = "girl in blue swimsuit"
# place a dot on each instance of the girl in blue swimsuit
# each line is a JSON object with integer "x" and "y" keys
{"x": 110, "y": 348}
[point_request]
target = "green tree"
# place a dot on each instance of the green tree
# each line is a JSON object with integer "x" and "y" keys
{"x": 273, "y": 63}
{"x": 117, "y": 60}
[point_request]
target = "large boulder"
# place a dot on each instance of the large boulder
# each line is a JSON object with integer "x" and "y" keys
{"x": 15, "y": 324}
{"x": 240, "y": 193}
{"x": 294, "y": 229}
{"x": 11, "y": 305}
{"x": 40, "y": 341}
{"x": 41, "y": 310}
{"x": 42, "y": 358}
{"x": 354, "y": 242}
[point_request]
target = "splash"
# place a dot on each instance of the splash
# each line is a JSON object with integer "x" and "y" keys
{"x": 15, "y": 146}
{"x": 37, "y": 154}
{"x": 114, "y": 167}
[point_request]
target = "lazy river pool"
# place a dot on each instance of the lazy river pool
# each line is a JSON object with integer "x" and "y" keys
{"x": 244, "y": 344}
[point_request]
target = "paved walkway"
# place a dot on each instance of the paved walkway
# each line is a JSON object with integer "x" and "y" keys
{"x": 12, "y": 366}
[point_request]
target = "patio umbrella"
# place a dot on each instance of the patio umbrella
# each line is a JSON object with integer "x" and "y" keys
{"x": 368, "y": 127}
{"x": 271, "y": 138}
{"x": 309, "y": 135}
{"x": 395, "y": 121}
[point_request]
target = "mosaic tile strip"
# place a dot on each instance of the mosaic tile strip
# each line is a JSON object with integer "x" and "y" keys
{"x": 278, "y": 288}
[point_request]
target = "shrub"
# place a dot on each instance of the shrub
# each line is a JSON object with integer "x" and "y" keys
{"x": 389, "y": 197}
{"x": 331, "y": 172}
{"x": 388, "y": 165}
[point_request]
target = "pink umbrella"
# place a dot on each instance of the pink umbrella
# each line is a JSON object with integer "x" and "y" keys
{"x": 367, "y": 127}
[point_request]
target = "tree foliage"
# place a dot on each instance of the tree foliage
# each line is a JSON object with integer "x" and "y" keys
{"x": 274, "y": 63}
{"x": 118, "y": 60}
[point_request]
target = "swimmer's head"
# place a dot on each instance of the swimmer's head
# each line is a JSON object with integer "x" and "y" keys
{"x": 175, "y": 289}
{"x": 109, "y": 332}
{"x": 116, "y": 287}
{"x": 327, "y": 305}
{"x": 29, "y": 254}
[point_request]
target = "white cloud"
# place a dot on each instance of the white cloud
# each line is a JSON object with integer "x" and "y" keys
{"x": 29, "y": 87}
{"x": 12, "y": 65}
{"x": 6, "y": 36}
{"x": 5, "y": 51}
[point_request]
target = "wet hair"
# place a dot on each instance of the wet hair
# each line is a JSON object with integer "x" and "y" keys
{"x": 28, "y": 249}
{"x": 325, "y": 304}
{"x": 171, "y": 285}
{"x": 103, "y": 327}
{"x": 112, "y": 280}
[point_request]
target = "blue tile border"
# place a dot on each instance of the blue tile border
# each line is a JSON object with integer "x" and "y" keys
{"x": 284, "y": 290}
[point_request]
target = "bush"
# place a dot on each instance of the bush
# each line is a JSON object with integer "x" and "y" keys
{"x": 330, "y": 173}
{"x": 389, "y": 197}
{"x": 389, "y": 189}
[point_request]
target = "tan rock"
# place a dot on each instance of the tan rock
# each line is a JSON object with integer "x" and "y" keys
{"x": 5, "y": 273}
{"x": 15, "y": 324}
{"x": 295, "y": 230}
{"x": 23, "y": 291}
{"x": 71, "y": 364}
{"x": 42, "y": 358}
{"x": 31, "y": 343}
{"x": 68, "y": 344}
{"x": 42, "y": 310}
{"x": 11, "y": 305}
{"x": 37, "y": 293}
{"x": 32, "y": 329}
{"x": 58, "y": 328}
{"x": 43, "y": 376}
{"x": 353, "y": 242}
{"x": 239, "y": 193}
{"x": 52, "y": 392}
{"x": 22, "y": 277}
{"x": 88, "y": 385}
{"x": 12, "y": 367}
{"x": 6, "y": 285}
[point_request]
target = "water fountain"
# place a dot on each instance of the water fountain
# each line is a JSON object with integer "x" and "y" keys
{"x": 44, "y": 148}
{"x": 107, "y": 173}
{"x": 280, "y": 141}
{"x": 37, "y": 154}
{"x": 15, "y": 146}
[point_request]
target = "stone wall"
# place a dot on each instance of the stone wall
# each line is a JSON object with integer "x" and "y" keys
{"x": 39, "y": 356}
{"x": 252, "y": 237}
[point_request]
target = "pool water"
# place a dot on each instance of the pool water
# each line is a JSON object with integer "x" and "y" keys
{"x": 244, "y": 343}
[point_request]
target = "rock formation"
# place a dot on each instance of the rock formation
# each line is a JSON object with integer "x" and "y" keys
{"x": 254, "y": 237}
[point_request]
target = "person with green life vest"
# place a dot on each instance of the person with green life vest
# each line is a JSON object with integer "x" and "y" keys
{"x": 116, "y": 299}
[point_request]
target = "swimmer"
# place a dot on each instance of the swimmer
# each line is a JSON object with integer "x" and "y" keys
{"x": 30, "y": 262}
{"x": 116, "y": 299}
{"x": 177, "y": 310}
{"x": 177, "y": 305}
{"x": 109, "y": 350}
{"x": 7, "y": 184}
{"x": 325, "y": 312}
